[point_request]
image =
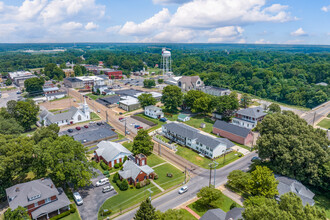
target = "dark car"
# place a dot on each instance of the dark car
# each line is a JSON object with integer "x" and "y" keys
{"x": 139, "y": 127}
{"x": 78, "y": 128}
{"x": 70, "y": 130}
{"x": 136, "y": 126}
{"x": 18, "y": 92}
{"x": 85, "y": 126}
{"x": 163, "y": 119}
{"x": 255, "y": 159}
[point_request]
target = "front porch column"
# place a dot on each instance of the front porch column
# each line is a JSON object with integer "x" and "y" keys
{"x": 58, "y": 211}
{"x": 68, "y": 207}
{"x": 47, "y": 216}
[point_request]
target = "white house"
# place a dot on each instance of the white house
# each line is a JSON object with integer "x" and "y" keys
{"x": 208, "y": 146}
{"x": 100, "y": 88}
{"x": 153, "y": 111}
{"x": 57, "y": 95}
{"x": 111, "y": 153}
{"x": 249, "y": 117}
{"x": 71, "y": 116}
{"x": 183, "y": 117}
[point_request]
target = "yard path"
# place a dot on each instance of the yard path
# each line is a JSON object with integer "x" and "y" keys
{"x": 192, "y": 212}
{"x": 153, "y": 182}
{"x": 159, "y": 164}
{"x": 234, "y": 196}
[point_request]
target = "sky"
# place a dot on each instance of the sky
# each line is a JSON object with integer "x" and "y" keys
{"x": 166, "y": 21}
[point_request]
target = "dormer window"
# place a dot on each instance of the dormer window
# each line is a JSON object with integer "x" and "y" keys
{"x": 34, "y": 197}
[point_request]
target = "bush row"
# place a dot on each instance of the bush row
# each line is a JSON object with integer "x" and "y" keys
{"x": 66, "y": 213}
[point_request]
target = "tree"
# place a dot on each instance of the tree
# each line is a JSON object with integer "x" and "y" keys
{"x": 208, "y": 195}
{"x": 191, "y": 96}
{"x": 203, "y": 105}
{"x": 239, "y": 180}
{"x": 64, "y": 160}
{"x": 146, "y": 99}
{"x": 50, "y": 131}
{"x": 149, "y": 83}
{"x": 263, "y": 182}
{"x": 8, "y": 82}
{"x": 25, "y": 113}
{"x": 142, "y": 143}
{"x": 160, "y": 81}
{"x": 124, "y": 185}
{"x": 19, "y": 213}
{"x": 63, "y": 66}
{"x": 246, "y": 100}
{"x": 172, "y": 98}
{"x": 11, "y": 107}
{"x": 289, "y": 144}
{"x": 172, "y": 214}
{"x": 34, "y": 85}
{"x": 77, "y": 70}
{"x": 289, "y": 207}
{"x": 146, "y": 211}
{"x": 274, "y": 108}
{"x": 226, "y": 105}
{"x": 10, "y": 126}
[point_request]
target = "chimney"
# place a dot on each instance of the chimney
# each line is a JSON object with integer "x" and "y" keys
{"x": 17, "y": 189}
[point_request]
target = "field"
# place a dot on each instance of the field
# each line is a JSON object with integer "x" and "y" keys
{"x": 187, "y": 215}
{"x": 203, "y": 162}
{"x": 197, "y": 120}
{"x": 94, "y": 116}
{"x": 167, "y": 182}
{"x": 223, "y": 203}
{"x": 325, "y": 123}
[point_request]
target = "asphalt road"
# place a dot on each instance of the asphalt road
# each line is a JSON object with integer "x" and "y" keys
{"x": 173, "y": 199}
{"x": 7, "y": 96}
{"x": 317, "y": 113}
{"x": 93, "y": 199}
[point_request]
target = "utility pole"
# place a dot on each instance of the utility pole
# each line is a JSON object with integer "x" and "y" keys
{"x": 159, "y": 149}
{"x": 314, "y": 119}
{"x": 210, "y": 174}
{"x": 125, "y": 127}
{"x": 185, "y": 175}
{"x": 215, "y": 166}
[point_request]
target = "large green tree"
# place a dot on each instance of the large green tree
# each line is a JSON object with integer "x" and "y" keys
{"x": 146, "y": 211}
{"x": 208, "y": 195}
{"x": 289, "y": 207}
{"x": 274, "y": 108}
{"x": 25, "y": 113}
{"x": 246, "y": 100}
{"x": 10, "y": 126}
{"x": 226, "y": 105}
{"x": 289, "y": 144}
{"x": 149, "y": 83}
{"x": 34, "y": 86}
{"x": 191, "y": 96}
{"x": 172, "y": 98}
{"x": 238, "y": 180}
{"x": 263, "y": 182}
{"x": 146, "y": 99}
{"x": 203, "y": 105}
{"x": 19, "y": 213}
{"x": 142, "y": 143}
{"x": 172, "y": 214}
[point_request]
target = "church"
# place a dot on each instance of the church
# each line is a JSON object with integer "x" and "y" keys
{"x": 71, "y": 116}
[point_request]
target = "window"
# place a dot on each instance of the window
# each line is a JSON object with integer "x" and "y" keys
{"x": 79, "y": 117}
{"x": 47, "y": 200}
{"x": 137, "y": 180}
{"x": 36, "y": 204}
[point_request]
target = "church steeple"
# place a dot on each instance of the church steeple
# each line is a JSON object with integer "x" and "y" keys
{"x": 85, "y": 108}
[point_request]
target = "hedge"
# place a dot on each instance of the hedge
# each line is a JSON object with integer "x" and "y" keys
{"x": 104, "y": 166}
{"x": 66, "y": 213}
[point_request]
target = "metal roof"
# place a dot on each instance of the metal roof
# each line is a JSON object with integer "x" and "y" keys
{"x": 234, "y": 129}
{"x": 110, "y": 150}
{"x": 63, "y": 116}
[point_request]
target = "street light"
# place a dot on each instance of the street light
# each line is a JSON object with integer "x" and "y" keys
{"x": 213, "y": 165}
{"x": 150, "y": 191}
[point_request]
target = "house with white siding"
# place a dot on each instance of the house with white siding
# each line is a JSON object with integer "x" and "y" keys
{"x": 153, "y": 111}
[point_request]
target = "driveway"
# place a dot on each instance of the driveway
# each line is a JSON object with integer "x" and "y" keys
{"x": 131, "y": 122}
{"x": 7, "y": 96}
{"x": 93, "y": 199}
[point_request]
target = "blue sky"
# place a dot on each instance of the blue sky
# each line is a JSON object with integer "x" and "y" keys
{"x": 186, "y": 21}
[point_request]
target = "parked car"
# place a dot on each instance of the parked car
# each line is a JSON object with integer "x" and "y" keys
{"x": 163, "y": 119}
{"x": 98, "y": 111}
{"x": 183, "y": 189}
{"x": 107, "y": 189}
{"x": 136, "y": 126}
{"x": 92, "y": 122}
{"x": 120, "y": 119}
{"x": 99, "y": 123}
{"x": 74, "y": 100}
{"x": 102, "y": 182}
{"x": 18, "y": 92}
{"x": 127, "y": 132}
{"x": 120, "y": 113}
{"x": 77, "y": 198}
{"x": 85, "y": 126}
{"x": 70, "y": 130}
{"x": 78, "y": 128}
{"x": 255, "y": 159}
{"x": 139, "y": 127}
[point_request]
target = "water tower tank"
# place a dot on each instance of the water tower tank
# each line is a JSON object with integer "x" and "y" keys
{"x": 166, "y": 53}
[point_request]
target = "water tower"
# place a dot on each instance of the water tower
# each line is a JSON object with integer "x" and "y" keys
{"x": 166, "y": 62}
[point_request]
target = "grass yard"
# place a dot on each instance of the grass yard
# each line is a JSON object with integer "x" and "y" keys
{"x": 74, "y": 216}
{"x": 94, "y": 116}
{"x": 156, "y": 121}
{"x": 168, "y": 182}
{"x": 154, "y": 160}
{"x": 129, "y": 146}
{"x": 223, "y": 203}
{"x": 8, "y": 89}
{"x": 187, "y": 215}
{"x": 325, "y": 123}
{"x": 162, "y": 138}
{"x": 197, "y": 120}
{"x": 323, "y": 201}
{"x": 126, "y": 199}
{"x": 203, "y": 162}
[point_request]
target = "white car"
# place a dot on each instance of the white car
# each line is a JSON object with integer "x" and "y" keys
{"x": 77, "y": 198}
{"x": 183, "y": 189}
{"x": 102, "y": 182}
{"x": 107, "y": 189}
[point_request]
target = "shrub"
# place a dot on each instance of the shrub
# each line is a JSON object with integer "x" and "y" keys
{"x": 105, "y": 172}
{"x": 117, "y": 166}
{"x": 124, "y": 185}
{"x": 73, "y": 209}
{"x": 118, "y": 182}
{"x": 138, "y": 186}
{"x": 147, "y": 181}
{"x": 104, "y": 166}
{"x": 131, "y": 186}
{"x": 125, "y": 158}
{"x": 115, "y": 177}
{"x": 155, "y": 177}
{"x": 108, "y": 175}
{"x": 233, "y": 205}
{"x": 61, "y": 215}
{"x": 106, "y": 212}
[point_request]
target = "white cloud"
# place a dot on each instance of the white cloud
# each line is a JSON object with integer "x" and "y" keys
{"x": 225, "y": 34}
{"x": 71, "y": 26}
{"x": 326, "y": 8}
{"x": 215, "y": 13}
{"x": 148, "y": 26}
{"x": 91, "y": 26}
{"x": 262, "y": 41}
{"x": 299, "y": 32}
{"x": 175, "y": 36}
{"x": 30, "y": 9}
{"x": 166, "y": 2}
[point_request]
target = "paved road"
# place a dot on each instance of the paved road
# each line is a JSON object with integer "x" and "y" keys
{"x": 317, "y": 113}
{"x": 173, "y": 199}
{"x": 93, "y": 199}
{"x": 7, "y": 96}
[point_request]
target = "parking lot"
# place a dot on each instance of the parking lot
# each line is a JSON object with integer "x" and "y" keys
{"x": 93, "y": 198}
{"x": 131, "y": 123}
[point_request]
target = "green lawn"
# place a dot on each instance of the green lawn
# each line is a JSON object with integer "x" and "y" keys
{"x": 160, "y": 137}
{"x": 187, "y": 215}
{"x": 156, "y": 121}
{"x": 223, "y": 203}
{"x": 197, "y": 120}
{"x": 129, "y": 146}
{"x": 195, "y": 158}
{"x": 167, "y": 182}
{"x": 94, "y": 97}
{"x": 94, "y": 116}
{"x": 325, "y": 123}
{"x": 323, "y": 201}
{"x": 153, "y": 160}
{"x": 74, "y": 216}
{"x": 171, "y": 116}
{"x": 126, "y": 199}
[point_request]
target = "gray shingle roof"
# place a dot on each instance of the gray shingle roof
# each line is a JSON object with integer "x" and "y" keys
{"x": 234, "y": 129}
{"x": 235, "y": 213}
{"x": 152, "y": 107}
{"x": 56, "y": 93}
{"x": 109, "y": 150}
{"x": 214, "y": 214}
{"x": 63, "y": 116}
{"x": 192, "y": 133}
{"x": 18, "y": 194}
{"x": 255, "y": 112}
{"x": 287, "y": 184}
{"x": 44, "y": 113}
{"x": 132, "y": 170}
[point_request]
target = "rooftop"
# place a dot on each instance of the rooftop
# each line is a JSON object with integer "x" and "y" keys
{"x": 128, "y": 92}
{"x": 234, "y": 129}
{"x": 132, "y": 170}
{"x": 153, "y": 108}
{"x": 255, "y": 112}
{"x": 110, "y": 150}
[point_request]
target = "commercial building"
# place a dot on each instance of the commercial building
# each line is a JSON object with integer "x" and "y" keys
{"x": 249, "y": 117}
{"x": 115, "y": 74}
{"x": 49, "y": 90}
{"x": 40, "y": 197}
{"x": 19, "y": 77}
{"x": 216, "y": 91}
{"x": 73, "y": 82}
{"x": 83, "y": 81}
{"x": 56, "y": 95}
{"x": 173, "y": 80}
{"x": 206, "y": 145}
{"x": 129, "y": 103}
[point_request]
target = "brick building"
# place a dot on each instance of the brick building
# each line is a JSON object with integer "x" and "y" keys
{"x": 117, "y": 74}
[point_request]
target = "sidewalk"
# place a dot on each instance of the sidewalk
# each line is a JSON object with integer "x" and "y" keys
{"x": 192, "y": 212}
{"x": 235, "y": 197}
{"x": 153, "y": 182}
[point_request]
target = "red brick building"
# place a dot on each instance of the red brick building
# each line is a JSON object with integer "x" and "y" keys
{"x": 234, "y": 133}
{"x": 117, "y": 74}
{"x": 136, "y": 171}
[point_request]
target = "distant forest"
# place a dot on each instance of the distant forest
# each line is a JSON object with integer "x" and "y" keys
{"x": 287, "y": 74}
